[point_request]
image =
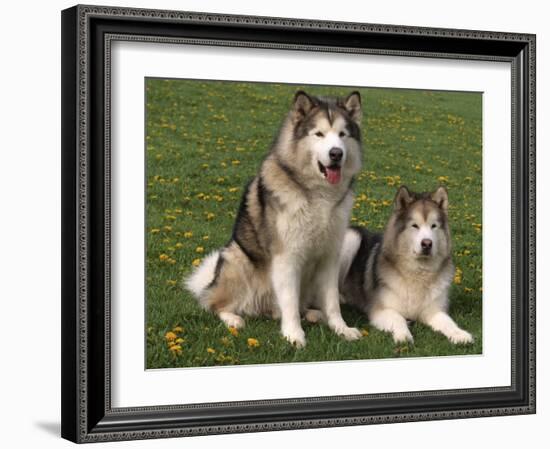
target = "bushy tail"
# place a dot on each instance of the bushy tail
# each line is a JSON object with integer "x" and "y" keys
{"x": 202, "y": 276}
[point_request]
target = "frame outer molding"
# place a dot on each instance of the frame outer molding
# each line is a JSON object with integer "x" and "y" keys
{"x": 76, "y": 217}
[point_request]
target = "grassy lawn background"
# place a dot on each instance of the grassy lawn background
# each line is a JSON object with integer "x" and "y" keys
{"x": 204, "y": 140}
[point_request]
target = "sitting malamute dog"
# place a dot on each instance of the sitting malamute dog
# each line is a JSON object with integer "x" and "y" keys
{"x": 404, "y": 274}
{"x": 283, "y": 256}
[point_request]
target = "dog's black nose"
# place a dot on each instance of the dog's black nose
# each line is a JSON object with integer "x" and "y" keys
{"x": 426, "y": 245}
{"x": 336, "y": 154}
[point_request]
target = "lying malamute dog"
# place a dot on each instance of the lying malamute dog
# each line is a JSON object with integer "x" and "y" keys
{"x": 404, "y": 274}
{"x": 283, "y": 256}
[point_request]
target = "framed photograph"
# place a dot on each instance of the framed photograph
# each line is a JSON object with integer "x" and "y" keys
{"x": 276, "y": 224}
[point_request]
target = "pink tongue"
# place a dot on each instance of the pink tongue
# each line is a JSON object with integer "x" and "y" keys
{"x": 333, "y": 175}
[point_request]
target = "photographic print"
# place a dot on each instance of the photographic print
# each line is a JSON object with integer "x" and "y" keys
{"x": 303, "y": 223}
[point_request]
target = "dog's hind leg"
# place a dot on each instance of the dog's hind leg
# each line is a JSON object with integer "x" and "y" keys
{"x": 231, "y": 319}
{"x": 313, "y": 315}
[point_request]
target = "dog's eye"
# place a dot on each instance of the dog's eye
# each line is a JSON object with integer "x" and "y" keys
{"x": 414, "y": 225}
{"x": 434, "y": 226}
{"x": 319, "y": 134}
{"x": 342, "y": 134}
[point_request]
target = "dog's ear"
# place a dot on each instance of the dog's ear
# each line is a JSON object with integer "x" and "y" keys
{"x": 441, "y": 198}
{"x": 303, "y": 103}
{"x": 352, "y": 104}
{"x": 403, "y": 198}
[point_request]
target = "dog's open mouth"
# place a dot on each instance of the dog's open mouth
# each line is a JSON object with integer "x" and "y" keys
{"x": 333, "y": 173}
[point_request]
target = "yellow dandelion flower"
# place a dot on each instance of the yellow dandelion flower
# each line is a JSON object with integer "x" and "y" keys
{"x": 223, "y": 164}
{"x": 211, "y": 350}
{"x": 188, "y": 234}
{"x": 252, "y": 343}
{"x": 205, "y": 237}
{"x": 167, "y": 228}
{"x": 233, "y": 189}
{"x": 170, "y": 217}
{"x": 221, "y": 180}
{"x": 466, "y": 252}
{"x": 175, "y": 349}
{"x": 179, "y": 245}
{"x": 196, "y": 262}
{"x": 236, "y": 162}
{"x": 458, "y": 276}
{"x": 164, "y": 257}
{"x": 171, "y": 282}
{"x": 155, "y": 231}
{"x": 179, "y": 340}
{"x": 170, "y": 336}
{"x": 171, "y": 261}
{"x": 204, "y": 165}
{"x": 468, "y": 290}
{"x": 199, "y": 249}
{"x": 233, "y": 331}
{"x": 210, "y": 215}
{"x": 364, "y": 332}
{"x": 178, "y": 329}
{"x": 225, "y": 341}
{"x": 443, "y": 178}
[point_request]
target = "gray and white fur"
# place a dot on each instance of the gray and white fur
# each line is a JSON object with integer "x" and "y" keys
{"x": 283, "y": 256}
{"x": 404, "y": 273}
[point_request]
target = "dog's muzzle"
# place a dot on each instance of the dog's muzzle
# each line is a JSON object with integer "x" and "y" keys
{"x": 426, "y": 245}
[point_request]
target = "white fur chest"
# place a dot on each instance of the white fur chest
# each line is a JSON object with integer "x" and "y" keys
{"x": 412, "y": 294}
{"x": 313, "y": 227}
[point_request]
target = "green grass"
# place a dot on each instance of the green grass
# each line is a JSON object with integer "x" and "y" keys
{"x": 206, "y": 139}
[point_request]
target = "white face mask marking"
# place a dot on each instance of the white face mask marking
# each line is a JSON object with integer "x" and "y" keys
{"x": 324, "y": 144}
{"x": 327, "y": 137}
{"x": 425, "y": 235}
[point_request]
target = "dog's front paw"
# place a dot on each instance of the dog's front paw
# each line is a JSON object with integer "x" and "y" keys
{"x": 402, "y": 336}
{"x": 461, "y": 337}
{"x": 295, "y": 336}
{"x": 349, "y": 333}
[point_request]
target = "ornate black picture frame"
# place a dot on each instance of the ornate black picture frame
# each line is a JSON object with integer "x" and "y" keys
{"x": 87, "y": 34}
